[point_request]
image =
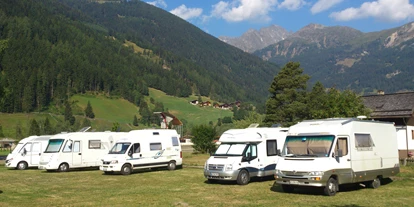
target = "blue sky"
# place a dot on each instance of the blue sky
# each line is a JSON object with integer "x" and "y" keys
{"x": 234, "y": 17}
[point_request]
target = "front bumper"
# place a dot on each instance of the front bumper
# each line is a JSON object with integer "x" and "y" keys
{"x": 221, "y": 175}
{"x": 47, "y": 166}
{"x": 315, "y": 181}
{"x": 10, "y": 164}
{"x": 110, "y": 168}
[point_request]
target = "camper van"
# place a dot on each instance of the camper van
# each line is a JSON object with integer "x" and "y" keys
{"x": 245, "y": 153}
{"x": 330, "y": 152}
{"x": 143, "y": 149}
{"x": 27, "y": 152}
{"x": 77, "y": 150}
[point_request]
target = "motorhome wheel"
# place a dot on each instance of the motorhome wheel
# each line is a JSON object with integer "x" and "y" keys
{"x": 22, "y": 165}
{"x": 288, "y": 188}
{"x": 376, "y": 183}
{"x": 63, "y": 167}
{"x": 171, "y": 165}
{"x": 331, "y": 187}
{"x": 126, "y": 169}
{"x": 243, "y": 178}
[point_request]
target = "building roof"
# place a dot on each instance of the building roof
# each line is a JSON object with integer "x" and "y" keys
{"x": 396, "y": 105}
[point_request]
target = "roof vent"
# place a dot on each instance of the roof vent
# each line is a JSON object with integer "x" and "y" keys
{"x": 361, "y": 117}
{"x": 380, "y": 92}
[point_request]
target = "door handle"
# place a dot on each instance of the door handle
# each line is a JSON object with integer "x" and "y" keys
{"x": 79, "y": 153}
{"x": 348, "y": 159}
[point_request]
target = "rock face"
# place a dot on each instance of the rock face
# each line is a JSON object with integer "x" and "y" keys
{"x": 254, "y": 40}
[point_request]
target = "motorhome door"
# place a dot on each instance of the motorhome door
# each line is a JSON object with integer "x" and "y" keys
{"x": 343, "y": 158}
{"x": 250, "y": 159}
{"x": 77, "y": 153}
{"x": 35, "y": 153}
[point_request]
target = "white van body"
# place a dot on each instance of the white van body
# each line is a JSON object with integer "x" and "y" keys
{"x": 245, "y": 153}
{"x": 77, "y": 150}
{"x": 27, "y": 152}
{"x": 329, "y": 152}
{"x": 143, "y": 149}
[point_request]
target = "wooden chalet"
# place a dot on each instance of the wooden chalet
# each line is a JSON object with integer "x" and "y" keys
{"x": 397, "y": 108}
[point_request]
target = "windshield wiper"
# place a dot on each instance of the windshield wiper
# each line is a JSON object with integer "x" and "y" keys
{"x": 308, "y": 155}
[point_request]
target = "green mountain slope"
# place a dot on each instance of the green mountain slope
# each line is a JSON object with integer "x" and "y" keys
{"x": 50, "y": 50}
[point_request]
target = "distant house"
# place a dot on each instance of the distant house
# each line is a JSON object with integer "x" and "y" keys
{"x": 194, "y": 102}
{"x": 216, "y": 105}
{"x": 207, "y": 103}
{"x": 397, "y": 108}
{"x": 225, "y": 106}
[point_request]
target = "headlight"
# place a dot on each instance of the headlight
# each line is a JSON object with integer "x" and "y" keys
{"x": 229, "y": 167}
{"x": 205, "y": 166}
{"x": 316, "y": 173}
{"x": 279, "y": 172}
{"x": 114, "y": 162}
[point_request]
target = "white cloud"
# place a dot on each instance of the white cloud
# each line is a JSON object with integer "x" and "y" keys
{"x": 187, "y": 13}
{"x": 323, "y": 5}
{"x": 292, "y": 4}
{"x": 387, "y": 10}
{"x": 241, "y": 10}
{"x": 158, "y": 3}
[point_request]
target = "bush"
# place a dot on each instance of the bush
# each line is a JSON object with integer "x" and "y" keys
{"x": 203, "y": 138}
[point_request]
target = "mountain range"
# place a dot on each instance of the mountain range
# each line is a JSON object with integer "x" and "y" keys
{"x": 344, "y": 57}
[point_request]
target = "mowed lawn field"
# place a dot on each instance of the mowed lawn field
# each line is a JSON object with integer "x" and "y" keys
{"x": 182, "y": 187}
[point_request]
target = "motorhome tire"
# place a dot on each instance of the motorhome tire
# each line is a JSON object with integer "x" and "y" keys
{"x": 376, "y": 183}
{"x": 63, "y": 167}
{"x": 126, "y": 169}
{"x": 331, "y": 187}
{"x": 288, "y": 188}
{"x": 243, "y": 178}
{"x": 171, "y": 165}
{"x": 22, "y": 165}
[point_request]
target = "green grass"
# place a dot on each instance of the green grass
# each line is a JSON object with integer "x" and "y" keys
{"x": 184, "y": 187}
{"x": 182, "y": 109}
{"x": 110, "y": 110}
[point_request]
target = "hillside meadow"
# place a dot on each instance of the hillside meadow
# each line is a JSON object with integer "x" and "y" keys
{"x": 112, "y": 109}
{"x": 182, "y": 187}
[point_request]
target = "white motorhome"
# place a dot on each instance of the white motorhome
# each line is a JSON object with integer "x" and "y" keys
{"x": 245, "y": 153}
{"x": 77, "y": 150}
{"x": 143, "y": 149}
{"x": 27, "y": 152}
{"x": 329, "y": 152}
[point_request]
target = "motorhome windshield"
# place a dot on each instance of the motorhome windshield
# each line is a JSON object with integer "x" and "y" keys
{"x": 230, "y": 149}
{"x": 308, "y": 146}
{"x": 17, "y": 148}
{"x": 120, "y": 148}
{"x": 54, "y": 145}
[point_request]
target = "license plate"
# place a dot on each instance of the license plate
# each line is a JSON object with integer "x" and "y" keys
{"x": 294, "y": 182}
{"x": 214, "y": 174}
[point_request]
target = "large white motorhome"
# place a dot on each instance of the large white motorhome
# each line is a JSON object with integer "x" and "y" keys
{"x": 77, "y": 150}
{"x": 245, "y": 153}
{"x": 329, "y": 152}
{"x": 27, "y": 152}
{"x": 143, "y": 149}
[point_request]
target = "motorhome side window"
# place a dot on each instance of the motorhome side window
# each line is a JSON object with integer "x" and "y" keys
{"x": 26, "y": 147}
{"x": 174, "y": 141}
{"x": 68, "y": 146}
{"x": 271, "y": 147}
{"x": 252, "y": 151}
{"x": 155, "y": 146}
{"x": 363, "y": 142}
{"x": 76, "y": 146}
{"x": 94, "y": 144}
{"x": 342, "y": 144}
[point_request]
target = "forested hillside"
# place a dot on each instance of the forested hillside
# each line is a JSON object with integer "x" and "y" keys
{"x": 50, "y": 50}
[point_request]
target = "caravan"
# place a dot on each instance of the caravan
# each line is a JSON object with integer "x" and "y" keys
{"x": 245, "y": 153}
{"x": 77, "y": 150}
{"x": 143, "y": 149}
{"x": 329, "y": 152}
{"x": 27, "y": 152}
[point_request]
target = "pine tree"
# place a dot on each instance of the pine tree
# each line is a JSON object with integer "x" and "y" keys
{"x": 1, "y": 131}
{"x": 34, "y": 128}
{"x": 89, "y": 111}
{"x": 287, "y": 103}
{"x": 19, "y": 133}
{"x": 68, "y": 114}
{"x": 135, "y": 122}
{"x": 47, "y": 127}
